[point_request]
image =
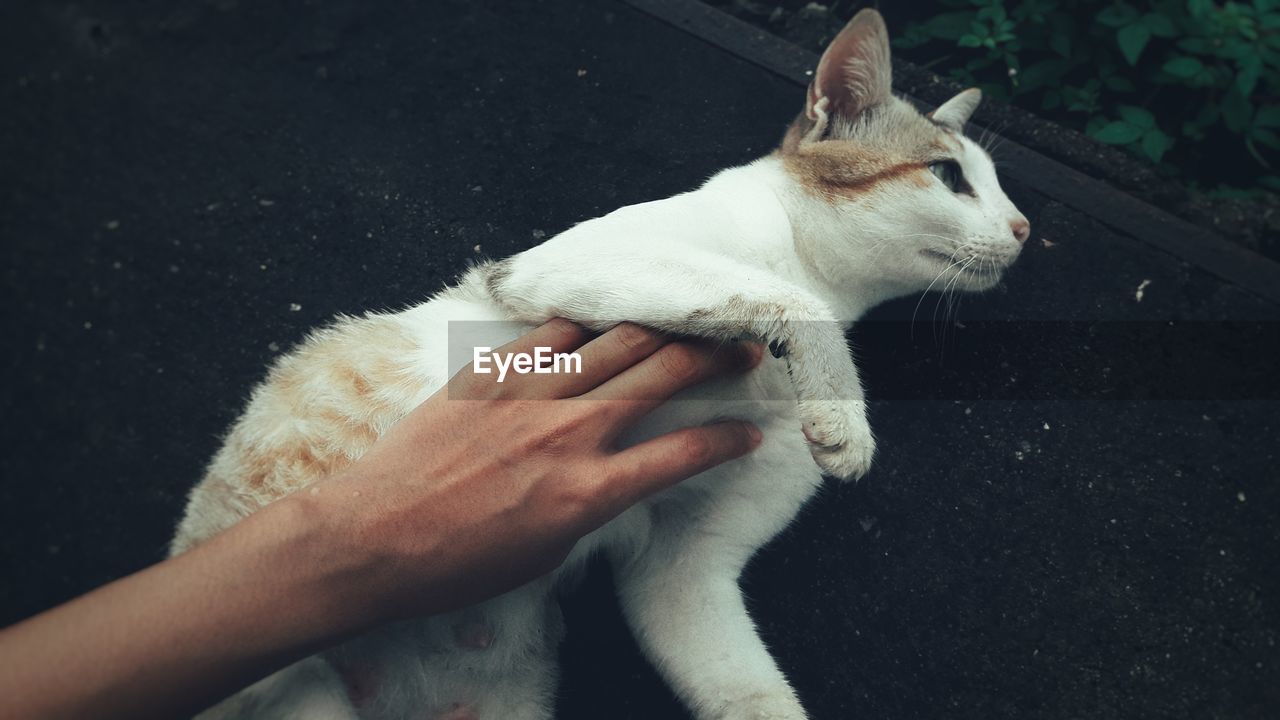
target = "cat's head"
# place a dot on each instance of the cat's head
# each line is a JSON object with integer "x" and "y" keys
{"x": 887, "y": 192}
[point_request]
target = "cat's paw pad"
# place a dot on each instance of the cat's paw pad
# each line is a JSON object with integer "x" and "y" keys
{"x": 839, "y": 436}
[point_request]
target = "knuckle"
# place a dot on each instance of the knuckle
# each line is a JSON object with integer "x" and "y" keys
{"x": 699, "y": 449}
{"x": 563, "y": 434}
{"x": 564, "y": 330}
{"x": 467, "y": 385}
{"x": 632, "y": 336}
{"x": 578, "y": 496}
{"x": 681, "y": 361}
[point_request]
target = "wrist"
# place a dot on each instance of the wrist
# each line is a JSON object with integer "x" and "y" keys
{"x": 338, "y": 575}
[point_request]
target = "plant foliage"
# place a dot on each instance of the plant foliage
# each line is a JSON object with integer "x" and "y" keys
{"x": 1186, "y": 83}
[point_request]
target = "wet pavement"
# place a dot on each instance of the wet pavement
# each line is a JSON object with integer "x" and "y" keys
{"x": 1074, "y": 512}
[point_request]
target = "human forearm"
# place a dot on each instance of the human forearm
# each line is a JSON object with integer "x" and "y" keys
{"x": 178, "y": 636}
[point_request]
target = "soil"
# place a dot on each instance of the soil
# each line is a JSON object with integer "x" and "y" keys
{"x": 1253, "y": 222}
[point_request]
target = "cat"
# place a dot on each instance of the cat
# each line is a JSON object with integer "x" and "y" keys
{"x": 865, "y": 200}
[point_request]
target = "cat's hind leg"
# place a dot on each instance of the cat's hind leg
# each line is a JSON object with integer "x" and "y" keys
{"x": 307, "y": 690}
{"x": 680, "y": 593}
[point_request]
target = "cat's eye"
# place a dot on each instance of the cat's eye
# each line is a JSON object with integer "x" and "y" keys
{"x": 948, "y": 171}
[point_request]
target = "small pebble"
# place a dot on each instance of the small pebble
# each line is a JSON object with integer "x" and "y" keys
{"x": 294, "y": 307}
{"x": 266, "y": 203}
{"x": 113, "y": 224}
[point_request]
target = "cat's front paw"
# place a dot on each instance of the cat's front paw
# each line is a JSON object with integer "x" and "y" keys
{"x": 763, "y": 706}
{"x": 839, "y": 436}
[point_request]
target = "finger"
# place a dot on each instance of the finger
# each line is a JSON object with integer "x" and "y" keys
{"x": 558, "y": 334}
{"x": 621, "y": 347}
{"x": 657, "y": 464}
{"x": 672, "y": 368}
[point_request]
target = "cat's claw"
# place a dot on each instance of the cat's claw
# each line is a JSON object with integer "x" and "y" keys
{"x": 839, "y": 436}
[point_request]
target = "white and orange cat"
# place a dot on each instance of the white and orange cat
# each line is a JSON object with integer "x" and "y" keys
{"x": 865, "y": 200}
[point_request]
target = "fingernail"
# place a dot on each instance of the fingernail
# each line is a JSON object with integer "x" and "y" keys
{"x": 754, "y": 433}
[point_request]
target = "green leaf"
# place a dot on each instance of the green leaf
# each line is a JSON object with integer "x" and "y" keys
{"x": 1199, "y": 8}
{"x": 969, "y": 41}
{"x": 1268, "y": 116}
{"x": 1132, "y": 39}
{"x": 994, "y": 13}
{"x": 1159, "y": 25}
{"x": 1253, "y": 150}
{"x": 1236, "y": 111}
{"x": 1118, "y": 133}
{"x": 949, "y": 26}
{"x": 1266, "y": 137}
{"x": 1045, "y": 72}
{"x": 1155, "y": 144}
{"x": 1183, "y": 67}
{"x": 1247, "y": 78}
{"x": 1136, "y": 116}
{"x": 1118, "y": 15}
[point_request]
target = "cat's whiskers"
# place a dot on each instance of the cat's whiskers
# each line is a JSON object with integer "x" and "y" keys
{"x": 925, "y": 294}
{"x": 880, "y": 246}
{"x": 948, "y": 288}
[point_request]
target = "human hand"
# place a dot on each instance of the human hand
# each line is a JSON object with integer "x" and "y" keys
{"x": 488, "y": 485}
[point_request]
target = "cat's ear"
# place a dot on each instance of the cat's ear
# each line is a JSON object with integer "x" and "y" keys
{"x": 854, "y": 73}
{"x": 954, "y": 113}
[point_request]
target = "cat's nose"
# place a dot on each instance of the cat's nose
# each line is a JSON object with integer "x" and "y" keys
{"x": 1020, "y": 228}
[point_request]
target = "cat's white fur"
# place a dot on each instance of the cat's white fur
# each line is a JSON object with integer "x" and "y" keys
{"x": 776, "y": 250}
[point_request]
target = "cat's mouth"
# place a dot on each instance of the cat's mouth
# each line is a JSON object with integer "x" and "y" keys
{"x": 972, "y": 265}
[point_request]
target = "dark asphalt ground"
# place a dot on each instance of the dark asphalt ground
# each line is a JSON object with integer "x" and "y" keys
{"x": 1074, "y": 512}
